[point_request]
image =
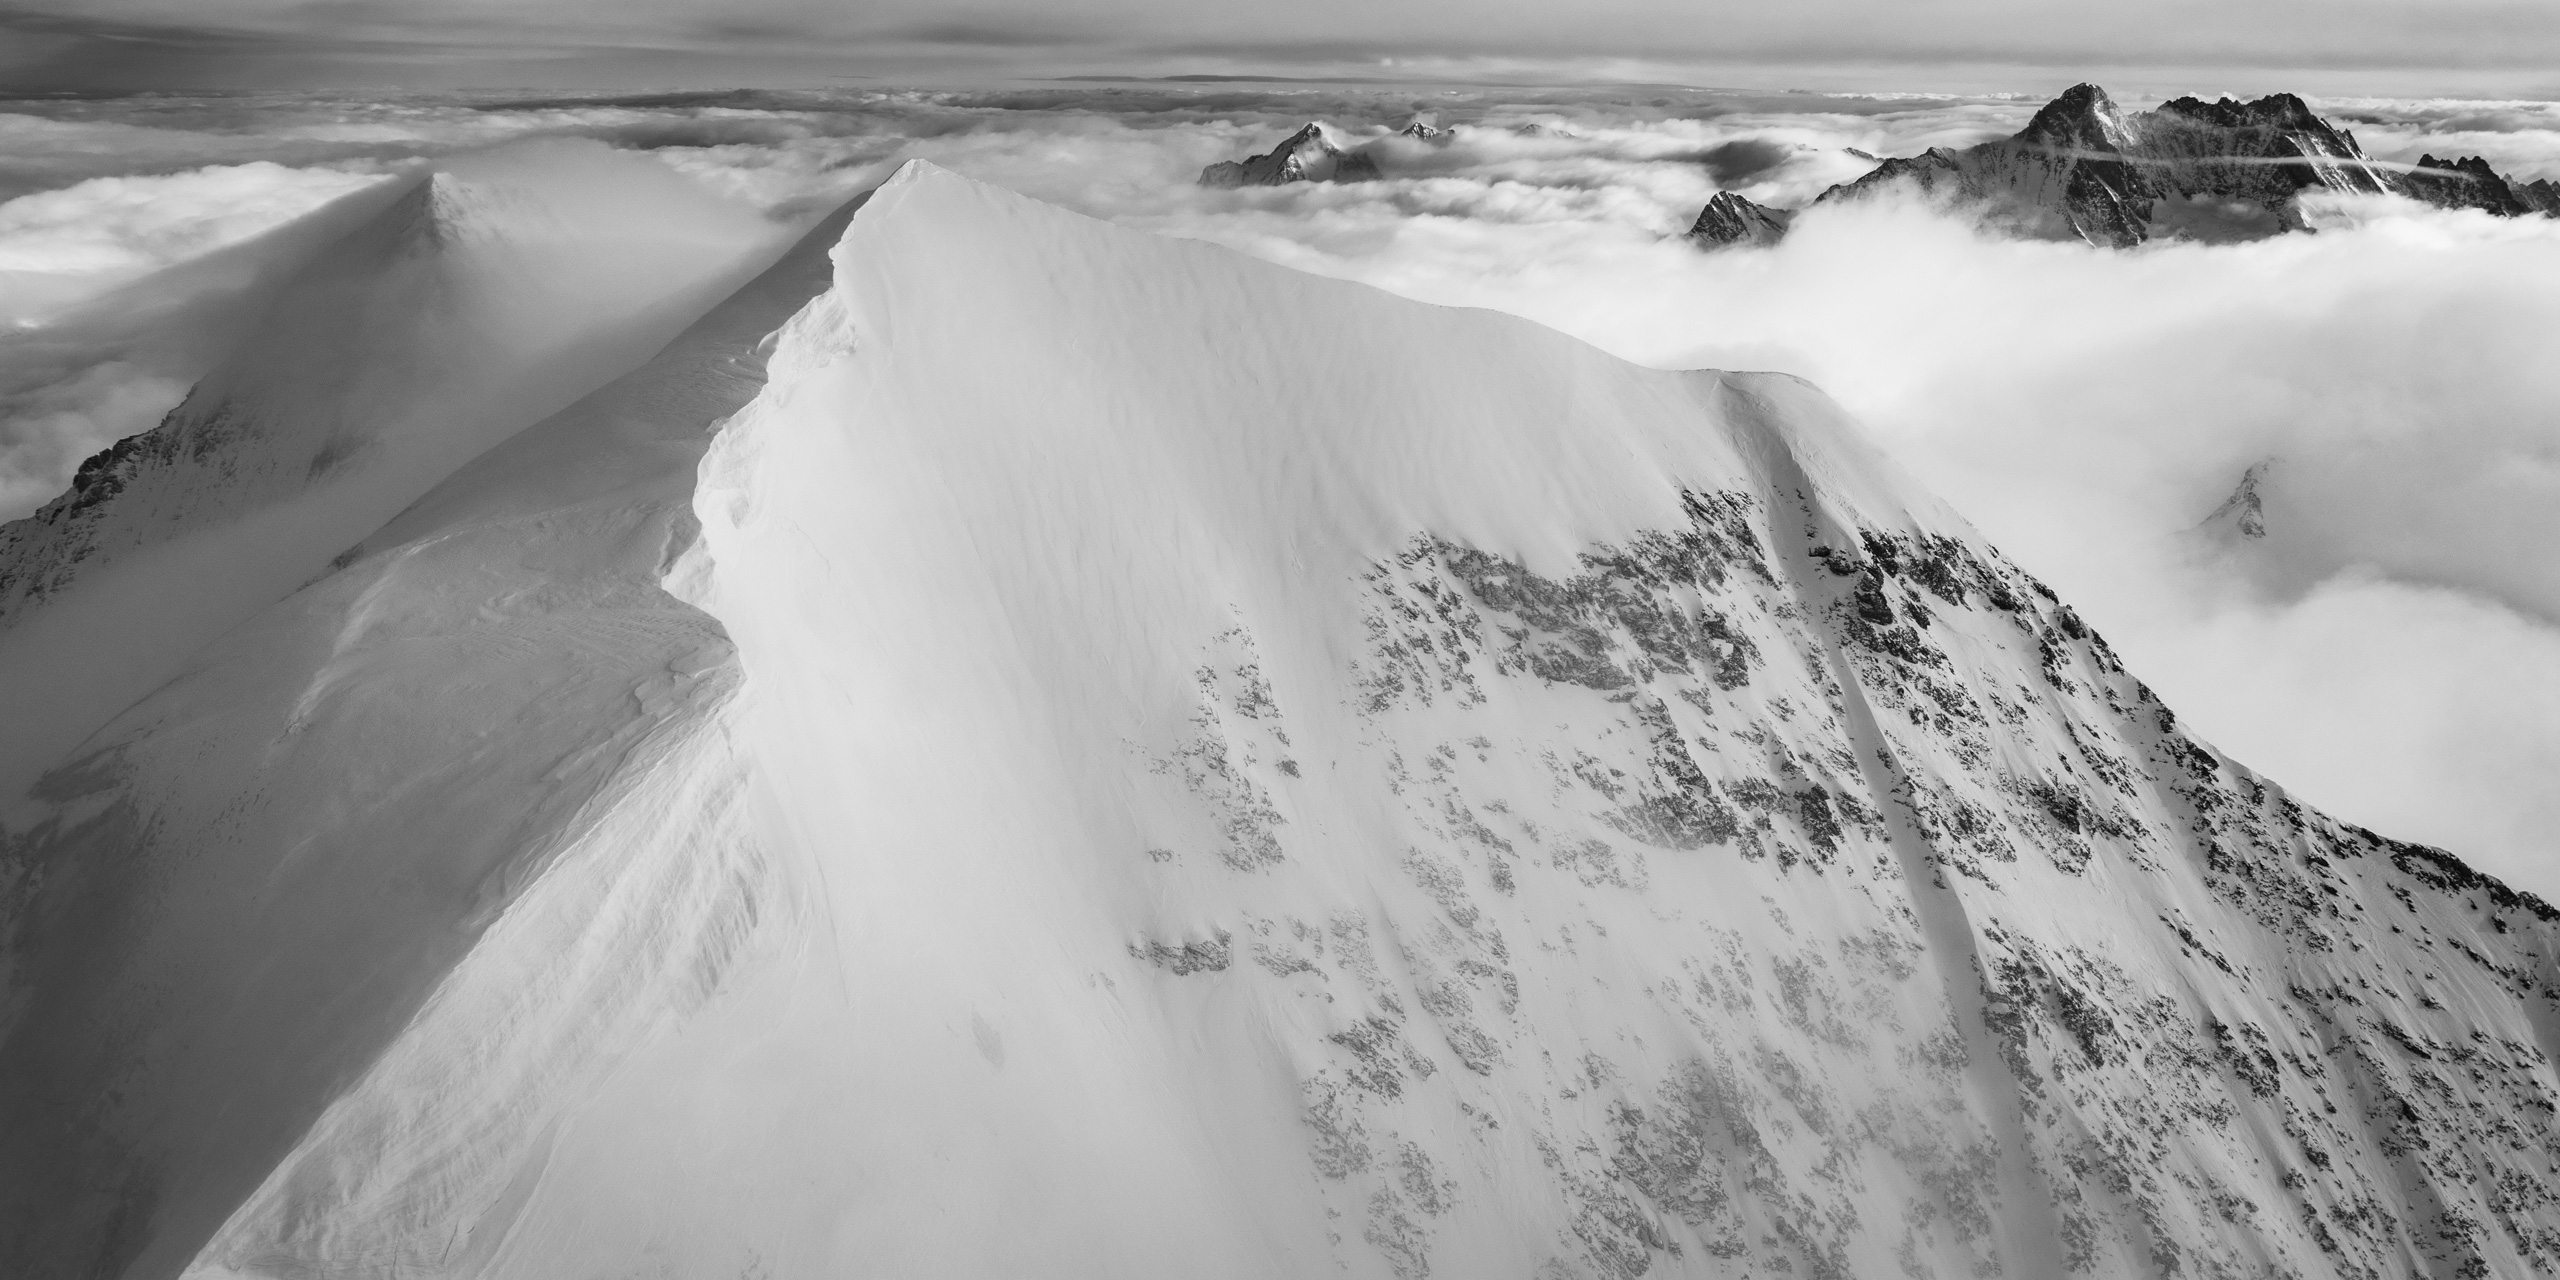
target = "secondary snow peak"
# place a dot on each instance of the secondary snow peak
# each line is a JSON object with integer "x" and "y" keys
{"x": 470, "y": 306}
{"x": 393, "y": 868}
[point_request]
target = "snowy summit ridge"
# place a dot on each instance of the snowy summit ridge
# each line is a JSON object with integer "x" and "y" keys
{"x": 812, "y": 806}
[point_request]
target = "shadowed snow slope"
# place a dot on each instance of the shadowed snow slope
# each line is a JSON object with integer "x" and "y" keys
{"x": 1164, "y": 766}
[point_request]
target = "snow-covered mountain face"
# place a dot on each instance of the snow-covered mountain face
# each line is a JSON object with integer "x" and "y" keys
{"x": 1087, "y": 754}
{"x": 2083, "y": 169}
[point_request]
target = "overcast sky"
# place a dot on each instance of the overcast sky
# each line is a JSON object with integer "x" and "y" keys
{"x": 2481, "y": 47}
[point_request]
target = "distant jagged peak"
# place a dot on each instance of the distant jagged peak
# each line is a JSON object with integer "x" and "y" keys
{"x": 2083, "y": 168}
{"x": 1424, "y": 127}
{"x": 2275, "y": 111}
{"x": 1309, "y": 155}
{"x": 2277, "y": 125}
{"x": 2468, "y": 166}
{"x": 1731, "y": 219}
{"x": 2084, "y": 118}
{"x": 2469, "y": 183}
{"x": 2244, "y": 513}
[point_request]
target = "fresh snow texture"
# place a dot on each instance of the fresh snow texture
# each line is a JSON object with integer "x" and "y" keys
{"x": 1083, "y": 754}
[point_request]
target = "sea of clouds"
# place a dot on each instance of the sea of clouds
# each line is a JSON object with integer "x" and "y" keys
{"x": 2390, "y": 650}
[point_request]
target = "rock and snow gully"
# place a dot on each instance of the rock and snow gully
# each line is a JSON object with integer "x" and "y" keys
{"x": 1017, "y": 747}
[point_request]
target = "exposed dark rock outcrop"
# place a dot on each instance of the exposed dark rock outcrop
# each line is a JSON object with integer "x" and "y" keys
{"x": 1309, "y": 155}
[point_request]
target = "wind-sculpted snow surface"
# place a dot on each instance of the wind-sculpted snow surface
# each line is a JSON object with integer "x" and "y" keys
{"x": 1164, "y": 766}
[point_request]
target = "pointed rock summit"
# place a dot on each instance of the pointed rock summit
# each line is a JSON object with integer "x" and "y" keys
{"x": 2244, "y": 513}
{"x": 2084, "y": 169}
{"x": 2084, "y": 118}
{"x": 1731, "y": 219}
{"x": 1309, "y": 155}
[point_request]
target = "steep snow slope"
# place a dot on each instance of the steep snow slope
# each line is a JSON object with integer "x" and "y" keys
{"x": 465, "y": 309}
{"x": 1223, "y": 772}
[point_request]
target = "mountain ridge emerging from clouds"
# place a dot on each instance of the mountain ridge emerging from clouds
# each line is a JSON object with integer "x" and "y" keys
{"x": 1309, "y": 155}
{"x": 2085, "y": 169}
{"x": 1014, "y": 746}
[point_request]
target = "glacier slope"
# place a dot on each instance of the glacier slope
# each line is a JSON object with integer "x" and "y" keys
{"x": 1158, "y": 765}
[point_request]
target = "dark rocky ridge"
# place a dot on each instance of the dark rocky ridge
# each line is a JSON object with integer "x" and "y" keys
{"x": 1309, "y": 155}
{"x": 2223, "y": 170}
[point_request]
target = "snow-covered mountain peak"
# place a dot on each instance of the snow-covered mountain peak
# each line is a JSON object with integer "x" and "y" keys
{"x": 465, "y": 309}
{"x": 1009, "y": 775}
{"x": 2283, "y": 111}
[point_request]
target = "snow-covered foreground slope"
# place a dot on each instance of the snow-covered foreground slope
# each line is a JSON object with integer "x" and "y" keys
{"x": 1152, "y": 764}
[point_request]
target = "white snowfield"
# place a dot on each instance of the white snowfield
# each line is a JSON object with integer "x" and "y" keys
{"x": 1020, "y": 748}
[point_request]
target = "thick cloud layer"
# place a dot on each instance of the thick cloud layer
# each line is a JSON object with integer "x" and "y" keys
{"x": 2390, "y": 648}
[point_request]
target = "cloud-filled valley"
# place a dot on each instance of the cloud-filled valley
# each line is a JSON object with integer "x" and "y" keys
{"x": 2390, "y": 648}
